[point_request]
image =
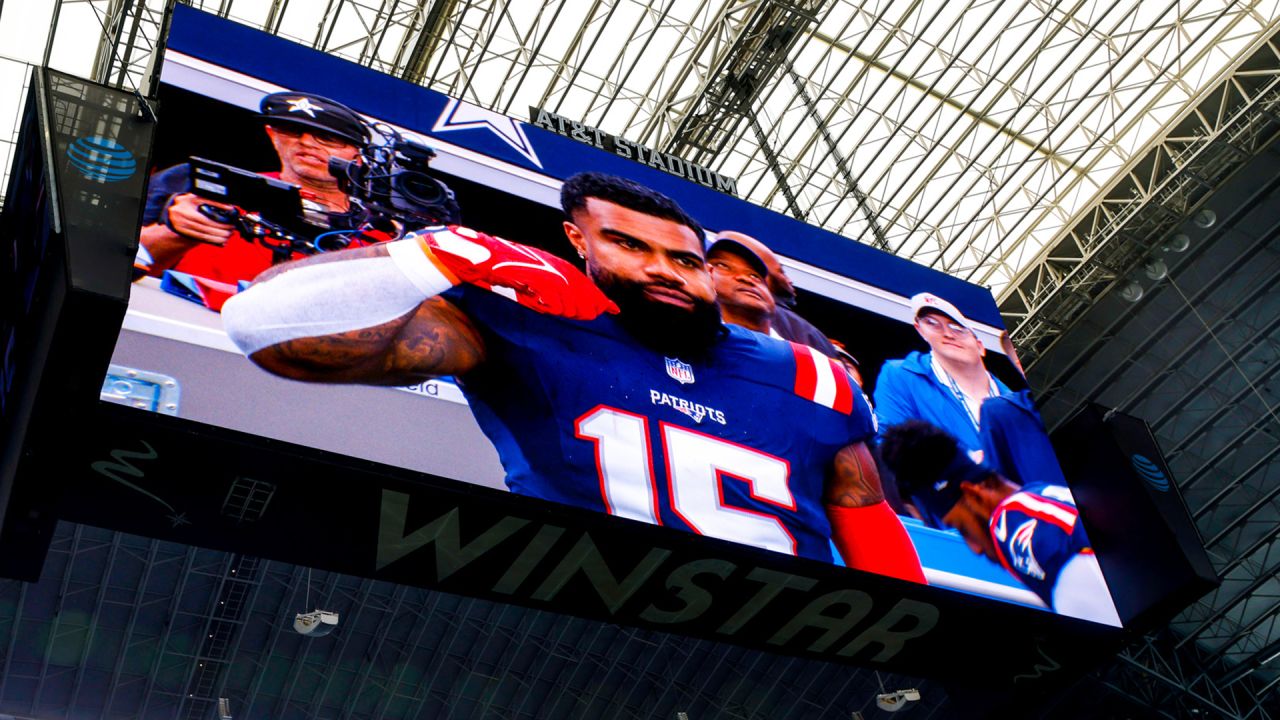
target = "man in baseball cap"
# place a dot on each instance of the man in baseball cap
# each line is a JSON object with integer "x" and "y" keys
{"x": 785, "y": 322}
{"x": 930, "y": 304}
{"x": 945, "y": 386}
{"x": 741, "y": 282}
{"x": 850, "y": 363}
{"x": 305, "y": 130}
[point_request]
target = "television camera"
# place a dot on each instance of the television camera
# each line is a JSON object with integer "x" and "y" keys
{"x": 390, "y": 186}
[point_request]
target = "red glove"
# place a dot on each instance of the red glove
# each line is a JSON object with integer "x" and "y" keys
{"x": 532, "y": 277}
{"x": 872, "y": 538}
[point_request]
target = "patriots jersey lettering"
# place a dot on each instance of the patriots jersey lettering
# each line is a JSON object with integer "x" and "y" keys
{"x": 1036, "y": 532}
{"x": 735, "y": 444}
{"x": 697, "y": 411}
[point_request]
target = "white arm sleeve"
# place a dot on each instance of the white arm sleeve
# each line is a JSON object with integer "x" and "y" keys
{"x": 334, "y": 297}
{"x": 1082, "y": 592}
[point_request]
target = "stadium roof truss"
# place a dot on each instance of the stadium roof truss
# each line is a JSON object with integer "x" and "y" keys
{"x": 1046, "y": 149}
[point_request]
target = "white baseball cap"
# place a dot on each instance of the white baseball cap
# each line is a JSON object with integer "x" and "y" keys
{"x": 923, "y": 301}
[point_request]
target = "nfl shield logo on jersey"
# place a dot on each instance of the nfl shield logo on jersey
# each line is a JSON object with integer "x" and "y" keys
{"x": 681, "y": 371}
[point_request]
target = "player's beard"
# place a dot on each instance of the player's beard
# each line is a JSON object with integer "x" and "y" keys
{"x": 666, "y": 328}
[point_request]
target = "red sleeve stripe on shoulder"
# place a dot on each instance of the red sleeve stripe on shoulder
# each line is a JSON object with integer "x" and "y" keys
{"x": 806, "y": 371}
{"x": 844, "y": 388}
{"x": 820, "y": 379}
{"x": 1050, "y": 512}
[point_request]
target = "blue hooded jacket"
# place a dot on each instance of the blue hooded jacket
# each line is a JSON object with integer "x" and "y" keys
{"x": 908, "y": 389}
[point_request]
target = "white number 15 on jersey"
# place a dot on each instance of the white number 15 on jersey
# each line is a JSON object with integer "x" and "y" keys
{"x": 697, "y": 466}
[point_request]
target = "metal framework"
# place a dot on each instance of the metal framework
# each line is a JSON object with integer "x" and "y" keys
{"x": 1194, "y": 354}
{"x": 1155, "y": 193}
{"x": 1048, "y": 148}
{"x": 1155, "y": 675}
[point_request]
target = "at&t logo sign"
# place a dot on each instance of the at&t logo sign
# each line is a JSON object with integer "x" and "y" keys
{"x": 1150, "y": 472}
{"x": 101, "y": 159}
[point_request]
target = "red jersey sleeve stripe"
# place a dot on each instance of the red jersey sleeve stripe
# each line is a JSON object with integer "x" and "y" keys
{"x": 806, "y": 373}
{"x": 825, "y": 392}
{"x": 1049, "y": 512}
{"x": 844, "y": 390}
{"x": 822, "y": 380}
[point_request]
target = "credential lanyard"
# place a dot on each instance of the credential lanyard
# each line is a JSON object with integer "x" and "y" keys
{"x": 973, "y": 415}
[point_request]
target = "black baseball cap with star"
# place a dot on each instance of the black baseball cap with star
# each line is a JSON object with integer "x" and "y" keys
{"x": 314, "y": 112}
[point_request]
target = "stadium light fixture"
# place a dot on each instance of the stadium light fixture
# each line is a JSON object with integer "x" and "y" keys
{"x": 1206, "y": 218}
{"x": 1177, "y": 243}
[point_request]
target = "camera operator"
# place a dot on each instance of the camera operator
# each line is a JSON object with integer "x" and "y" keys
{"x": 306, "y": 131}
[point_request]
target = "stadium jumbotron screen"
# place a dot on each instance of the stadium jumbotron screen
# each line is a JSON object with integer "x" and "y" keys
{"x": 354, "y": 264}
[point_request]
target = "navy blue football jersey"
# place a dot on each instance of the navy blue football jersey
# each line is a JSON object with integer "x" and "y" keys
{"x": 1037, "y": 531}
{"x": 734, "y": 445}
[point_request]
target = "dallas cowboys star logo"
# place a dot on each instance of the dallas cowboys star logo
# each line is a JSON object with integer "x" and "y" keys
{"x": 303, "y": 105}
{"x": 459, "y": 116}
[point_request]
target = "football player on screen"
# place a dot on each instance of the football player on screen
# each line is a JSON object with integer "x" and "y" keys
{"x": 620, "y": 390}
{"x": 1033, "y": 531}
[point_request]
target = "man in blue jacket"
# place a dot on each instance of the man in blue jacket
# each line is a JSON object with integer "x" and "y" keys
{"x": 945, "y": 386}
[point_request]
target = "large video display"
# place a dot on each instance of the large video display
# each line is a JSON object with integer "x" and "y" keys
{"x": 337, "y": 259}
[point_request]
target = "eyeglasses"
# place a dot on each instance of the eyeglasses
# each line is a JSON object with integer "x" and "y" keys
{"x": 933, "y": 322}
{"x": 322, "y": 138}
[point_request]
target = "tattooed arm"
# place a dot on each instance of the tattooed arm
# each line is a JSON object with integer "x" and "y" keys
{"x": 864, "y": 529}
{"x": 854, "y": 480}
{"x": 371, "y": 315}
{"x": 434, "y": 340}
{"x": 347, "y": 317}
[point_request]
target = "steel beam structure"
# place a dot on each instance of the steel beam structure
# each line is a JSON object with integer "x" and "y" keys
{"x": 763, "y": 35}
{"x": 955, "y": 135}
{"x": 1158, "y": 191}
{"x": 851, "y": 183}
{"x": 1181, "y": 685}
{"x": 1196, "y": 356}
